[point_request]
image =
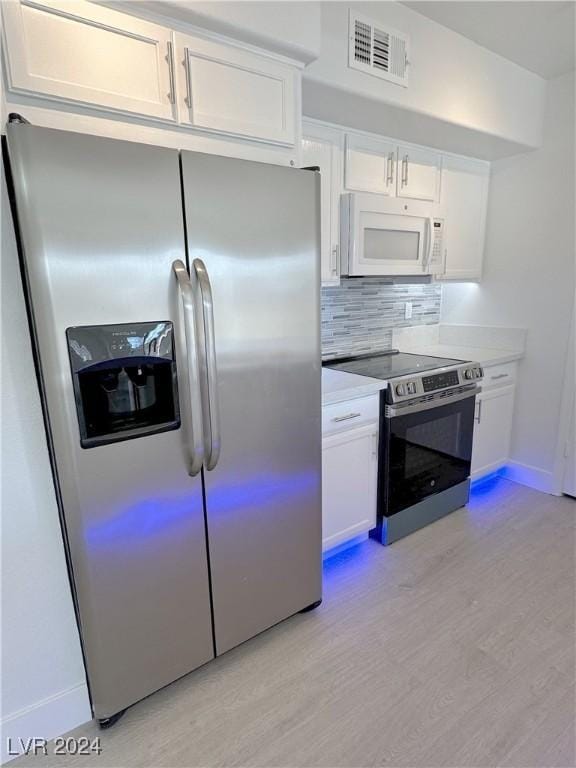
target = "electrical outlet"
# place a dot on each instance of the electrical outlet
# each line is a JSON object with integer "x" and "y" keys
{"x": 408, "y": 310}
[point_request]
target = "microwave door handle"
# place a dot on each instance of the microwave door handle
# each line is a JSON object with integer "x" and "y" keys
{"x": 210, "y": 373}
{"x": 193, "y": 402}
{"x": 428, "y": 251}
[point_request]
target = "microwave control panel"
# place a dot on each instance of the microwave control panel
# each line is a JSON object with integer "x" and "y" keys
{"x": 437, "y": 254}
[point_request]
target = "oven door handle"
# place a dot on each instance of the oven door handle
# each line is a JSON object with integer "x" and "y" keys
{"x": 405, "y": 409}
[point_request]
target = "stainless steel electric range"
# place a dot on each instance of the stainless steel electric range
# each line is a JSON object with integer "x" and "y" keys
{"x": 425, "y": 444}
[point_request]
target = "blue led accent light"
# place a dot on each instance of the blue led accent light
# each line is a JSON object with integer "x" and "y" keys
{"x": 261, "y": 491}
{"x": 137, "y": 523}
{"x": 486, "y": 486}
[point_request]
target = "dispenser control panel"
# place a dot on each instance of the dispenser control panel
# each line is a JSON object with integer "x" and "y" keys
{"x": 93, "y": 344}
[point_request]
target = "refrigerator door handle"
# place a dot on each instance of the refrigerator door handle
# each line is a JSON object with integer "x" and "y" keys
{"x": 193, "y": 409}
{"x": 212, "y": 429}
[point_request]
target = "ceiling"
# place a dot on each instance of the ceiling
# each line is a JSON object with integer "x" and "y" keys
{"x": 538, "y": 36}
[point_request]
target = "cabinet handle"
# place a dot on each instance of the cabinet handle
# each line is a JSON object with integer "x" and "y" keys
{"x": 348, "y": 416}
{"x": 170, "y": 60}
{"x": 499, "y": 376}
{"x": 405, "y": 171}
{"x": 478, "y": 418}
{"x": 390, "y": 168}
{"x": 334, "y": 260}
{"x": 186, "y": 63}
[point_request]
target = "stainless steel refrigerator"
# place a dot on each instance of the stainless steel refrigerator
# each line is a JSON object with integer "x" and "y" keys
{"x": 174, "y": 305}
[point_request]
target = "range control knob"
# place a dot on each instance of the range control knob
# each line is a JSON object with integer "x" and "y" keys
{"x": 469, "y": 373}
{"x": 400, "y": 390}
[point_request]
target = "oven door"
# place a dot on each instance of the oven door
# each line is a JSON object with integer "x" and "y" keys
{"x": 426, "y": 448}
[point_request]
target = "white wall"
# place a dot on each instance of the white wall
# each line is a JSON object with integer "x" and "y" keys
{"x": 43, "y": 682}
{"x": 453, "y": 83}
{"x": 529, "y": 279}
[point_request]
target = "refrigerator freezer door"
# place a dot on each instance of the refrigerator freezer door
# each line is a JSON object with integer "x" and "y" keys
{"x": 101, "y": 224}
{"x": 255, "y": 227}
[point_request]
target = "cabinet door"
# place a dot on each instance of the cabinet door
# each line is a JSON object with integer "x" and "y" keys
{"x": 492, "y": 430}
{"x": 464, "y": 198}
{"x": 418, "y": 174}
{"x": 370, "y": 165}
{"x": 322, "y": 148}
{"x": 231, "y": 90}
{"x": 349, "y": 479}
{"x": 79, "y": 51}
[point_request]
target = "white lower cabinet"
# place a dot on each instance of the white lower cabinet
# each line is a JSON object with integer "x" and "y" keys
{"x": 349, "y": 483}
{"x": 492, "y": 429}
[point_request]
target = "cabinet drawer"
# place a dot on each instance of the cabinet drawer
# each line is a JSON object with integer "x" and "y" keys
{"x": 499, "y": 375}
{"x": 350, "y": 414}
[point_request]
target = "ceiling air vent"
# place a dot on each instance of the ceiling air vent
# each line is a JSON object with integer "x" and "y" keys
{"x": 378, "y": 50}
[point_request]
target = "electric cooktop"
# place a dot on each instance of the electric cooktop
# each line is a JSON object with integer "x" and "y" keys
{"x": 388, "y": 365}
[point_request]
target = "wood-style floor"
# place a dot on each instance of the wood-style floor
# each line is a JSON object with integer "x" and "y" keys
{"x": 454, "y": 647}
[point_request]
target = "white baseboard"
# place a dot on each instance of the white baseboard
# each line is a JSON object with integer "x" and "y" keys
{"x": 45, "y": 719}
{"x": 533, "y": 477}
{"x": 490, "y": 469}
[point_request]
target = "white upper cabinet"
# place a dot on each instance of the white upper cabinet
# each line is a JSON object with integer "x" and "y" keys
{"x": 322, "y": 147}
{"x": 457, "y": 186}
{"x": 236, "y": 91}
{"x": 418, "y": 175}
{"x": 370, "y": 165}
{"x": 464, "y": 199}
{"x": 81, "y": 52}
{"x": 382, "y": 166}
{"x": 77, "y": 51}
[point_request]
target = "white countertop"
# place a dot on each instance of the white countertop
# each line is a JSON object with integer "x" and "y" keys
{"x": 338, "y": 386}
{"x": 482, "y": 355}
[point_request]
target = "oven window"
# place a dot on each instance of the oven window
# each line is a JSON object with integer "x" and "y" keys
{"x": 427, "y": 452}
{"x": 391, "y": 245}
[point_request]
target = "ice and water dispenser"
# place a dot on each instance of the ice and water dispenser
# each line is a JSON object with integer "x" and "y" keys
{"x": 124, "y": 380}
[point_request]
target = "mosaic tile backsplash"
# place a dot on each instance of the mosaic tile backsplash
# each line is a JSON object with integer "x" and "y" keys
{"x": 359, "y": 314}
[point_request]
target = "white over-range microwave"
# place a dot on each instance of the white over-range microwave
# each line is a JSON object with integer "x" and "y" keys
{"x": 389, "y": 236}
